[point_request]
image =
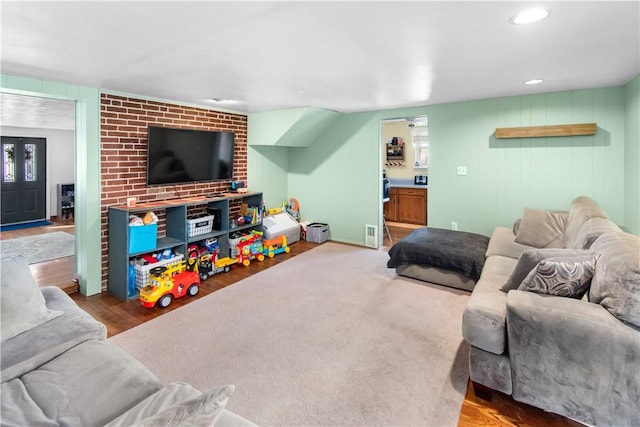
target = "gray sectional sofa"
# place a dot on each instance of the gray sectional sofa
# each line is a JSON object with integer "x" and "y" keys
{"x": 554, "y": 319}
{"x": 59, "y": 369}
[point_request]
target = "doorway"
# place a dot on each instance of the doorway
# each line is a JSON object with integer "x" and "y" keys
{"x": 24, "y": 180}
{"x": 405, "y": 155}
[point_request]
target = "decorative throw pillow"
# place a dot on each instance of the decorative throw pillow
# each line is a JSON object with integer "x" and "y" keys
{"x": 531, "y": 257}
{"x": 542, "y": 228}
{"x": 565, "y": 277}
{"x": 204, "y": 410}
{"x": 22, "y": 305}
{"x": 616, "y": 282}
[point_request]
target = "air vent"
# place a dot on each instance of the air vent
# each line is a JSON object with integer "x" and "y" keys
{"x": 371, "y": 236}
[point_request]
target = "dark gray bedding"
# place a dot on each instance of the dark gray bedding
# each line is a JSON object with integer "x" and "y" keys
{"x": 454, "y": 250}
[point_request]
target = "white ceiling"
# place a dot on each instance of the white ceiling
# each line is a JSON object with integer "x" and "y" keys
{"x": 345, "y": 56}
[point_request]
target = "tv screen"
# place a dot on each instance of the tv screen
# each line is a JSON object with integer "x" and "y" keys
{"x": 178, "y": 156}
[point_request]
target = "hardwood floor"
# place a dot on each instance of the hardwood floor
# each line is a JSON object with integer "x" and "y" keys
{"x": 119, "y": 316}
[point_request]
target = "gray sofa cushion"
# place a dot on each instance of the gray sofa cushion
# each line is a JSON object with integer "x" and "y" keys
{"x": 19, "y": 409}
{"x": 22, "y": 306}
{"x": 542, "y": 228}
{"x": 503, "y": 243}
{"x": 566, "y": 277}
{"x": 582, "y": 209}
{"x": 89, "y": 385}
{"x": 35, "y": 347}
{"x": 531, "y": 257}
{"x": 616, "y": 281}
{"x": 484, "y": 317}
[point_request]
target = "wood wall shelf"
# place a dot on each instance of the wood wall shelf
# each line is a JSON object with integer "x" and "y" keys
{"x": 544, "y": 131}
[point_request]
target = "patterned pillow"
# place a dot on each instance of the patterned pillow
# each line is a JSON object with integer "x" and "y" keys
{"x": 565, "y": 277}
{"x": 530, "y": 258}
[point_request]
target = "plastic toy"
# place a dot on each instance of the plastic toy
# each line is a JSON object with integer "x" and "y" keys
{"x": 210, "y": 265}
{"x": 211, "y": 245}
{"x": 294, "y": 209}
{"x": 167, "y": 283}
{"x": 249, "y": 248}
{"x": 166, "y": 254}
{"x": 275, "y": 246}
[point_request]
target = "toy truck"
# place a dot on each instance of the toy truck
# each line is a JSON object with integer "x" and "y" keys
{"x": 167, "y": 283}
{"x": 276, "y": 245}
{"x": 210, "y": 264}
{"x": 250, "y": 248}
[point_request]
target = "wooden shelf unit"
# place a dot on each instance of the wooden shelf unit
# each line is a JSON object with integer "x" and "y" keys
{"x": 545, "y": 131}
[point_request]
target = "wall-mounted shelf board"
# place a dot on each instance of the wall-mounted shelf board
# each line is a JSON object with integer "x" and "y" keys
{"x": 544, "y": 131}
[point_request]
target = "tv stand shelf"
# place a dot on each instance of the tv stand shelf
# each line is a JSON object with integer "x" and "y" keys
{"x": 173, "y": 221}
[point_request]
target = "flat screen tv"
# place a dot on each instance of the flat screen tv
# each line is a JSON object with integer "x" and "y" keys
{"x": 179, "y": 156}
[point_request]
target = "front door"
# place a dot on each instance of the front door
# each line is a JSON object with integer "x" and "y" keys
{"x": 24, "y": 181}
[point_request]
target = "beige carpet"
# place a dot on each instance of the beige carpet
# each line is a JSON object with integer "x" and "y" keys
{"x": 330, "y": 337}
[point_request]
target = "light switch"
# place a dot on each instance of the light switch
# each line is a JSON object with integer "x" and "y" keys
{"x": 462, "y": 170}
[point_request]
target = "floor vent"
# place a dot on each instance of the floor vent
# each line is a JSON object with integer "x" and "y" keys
{"x": 371, "y": 236}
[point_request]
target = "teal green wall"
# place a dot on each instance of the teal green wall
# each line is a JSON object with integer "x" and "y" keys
{"x": 267, "y": 172}
{"x": 337, "y": 177}
{"x": 507, "y": 175}
{"x": 269, "y": 127}
{"x": 632, "y": 157}
{"x": 87, "y": 174}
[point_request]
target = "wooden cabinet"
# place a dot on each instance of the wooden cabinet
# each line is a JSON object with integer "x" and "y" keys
{"x": 390, "y": 208}
{"x": 408, "y": 205}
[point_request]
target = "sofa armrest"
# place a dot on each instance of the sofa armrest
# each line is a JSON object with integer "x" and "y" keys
{"x": 503, "y": 243}
{"x": 574, "y": 358}
{"x": 34, "y": 347}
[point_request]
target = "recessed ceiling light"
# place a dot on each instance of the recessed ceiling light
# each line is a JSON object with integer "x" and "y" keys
{"x": 223, "y": 100}
{"x": 529, "y": 16}
{"x": 533, "y": 82}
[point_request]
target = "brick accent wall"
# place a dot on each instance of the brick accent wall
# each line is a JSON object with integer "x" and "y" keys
{"x": 123, "y": 139}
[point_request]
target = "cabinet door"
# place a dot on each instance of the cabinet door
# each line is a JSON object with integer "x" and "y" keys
{"x": 412, "y": 206}
{"x": 391, "y": 207}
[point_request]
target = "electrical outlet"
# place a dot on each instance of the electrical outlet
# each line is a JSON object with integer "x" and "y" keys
{"x": 454, "y": 225}
{"x": 462, "y": 170}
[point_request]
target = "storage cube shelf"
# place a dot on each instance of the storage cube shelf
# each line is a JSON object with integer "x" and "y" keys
{"x": 66, "y": 195}
{"x": 179, "y": 231}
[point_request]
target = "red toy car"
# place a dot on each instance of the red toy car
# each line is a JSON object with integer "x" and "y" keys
{"x": 167, "y": 283}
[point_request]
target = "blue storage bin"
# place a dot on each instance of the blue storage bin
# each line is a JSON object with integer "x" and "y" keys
{"x": 143, "y": 238}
